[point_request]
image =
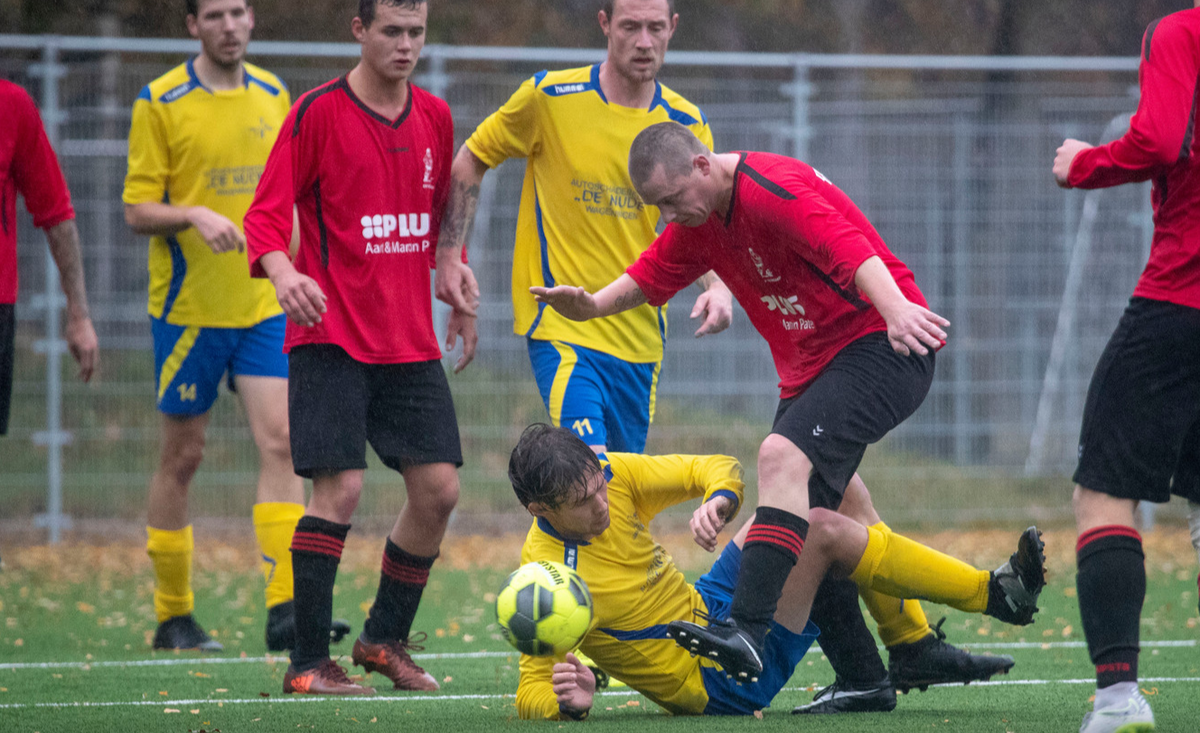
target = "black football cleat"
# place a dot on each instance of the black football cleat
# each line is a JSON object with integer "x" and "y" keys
{"x": 1015, "y": 586}
{"x": 722, "y": 642}
{"x": 931, "y": 661}
{"x": 850, "y": 697}
{"x": 182, "y": 632}
{"x": 281, "y": 627}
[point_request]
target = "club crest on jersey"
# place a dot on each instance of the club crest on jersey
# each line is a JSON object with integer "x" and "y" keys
{"x": 428, "y": 182}
{"x": 763, "y": 271}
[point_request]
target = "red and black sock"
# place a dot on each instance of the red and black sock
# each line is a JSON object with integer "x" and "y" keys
{"x": 400, "y": 586}
{"x": 316, "y": 551}
{"x": 1111, "y": 585}
{"x": 772, "y": 547}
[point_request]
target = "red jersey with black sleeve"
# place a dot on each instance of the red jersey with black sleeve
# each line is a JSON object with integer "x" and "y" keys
{"x": 29, "y": 167}
{"x": 1161, "y": 147}
{"x": 370, "y": 194}
{"x": 788, "y": 248}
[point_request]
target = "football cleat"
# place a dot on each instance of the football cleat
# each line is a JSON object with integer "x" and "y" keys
{"x": 182, "y": 632}
{"x": 327, "y": 679}
{"x": 1015, "y": 586}
{"x": 849, "y": 697}
{"x": 722, "y": 642}
{"x": 392, "y": 660}
{"x": 281, "y": 627}
{"x": 931, "y": 661}
{"x": 1135, "y": 716}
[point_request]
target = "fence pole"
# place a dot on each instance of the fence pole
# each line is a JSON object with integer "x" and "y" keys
{"x": 52, "y": 345}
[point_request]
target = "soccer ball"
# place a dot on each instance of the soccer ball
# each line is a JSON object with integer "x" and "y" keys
{"x": 544, "y": 609}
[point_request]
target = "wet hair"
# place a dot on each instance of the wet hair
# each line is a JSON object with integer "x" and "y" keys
{"x": 366, "y": 8}
{"x": 549, "y": 465}
{"x": 607, "y": 7}
{"x": 193, "y": 6}
{"x": 668, "y": 144}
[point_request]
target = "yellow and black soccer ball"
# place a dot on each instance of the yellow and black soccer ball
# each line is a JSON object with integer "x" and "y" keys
{"x": 544, "y": 609}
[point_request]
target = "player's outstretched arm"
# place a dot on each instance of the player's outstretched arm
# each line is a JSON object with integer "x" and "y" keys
{"x": 911, "y": 328}
{"x": 1063, "y": 157}
{"x": 299, "y": 295}
{"x": 454, "y": 283}
{"x": 579, "y": 305}
{"x": 715, "y": 305}
{"x": 81, "y": 334}
{"x": 219, "y": 233}
{"x": 575, "y": 687}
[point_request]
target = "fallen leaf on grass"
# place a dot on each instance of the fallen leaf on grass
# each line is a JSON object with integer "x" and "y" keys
{"x": 264, "y": 694}
{"x": 221, "y": 689}
{"x": 448, "y": 678}
{"x": 170, "y": 710}
{"x": 758, "y": 714}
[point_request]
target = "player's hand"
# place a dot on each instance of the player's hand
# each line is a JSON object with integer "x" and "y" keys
{"x": 454, "y": 284}
{"x": 715, "y": 305}
{"x": 708, "y": 521}
{"x": 461, "y": 324}
{"x": 219, "y": 233}
{"x": 84, "y": 346}
{"x": 300, "y": 297}
{"x": 574, "y": 303}
{"x": 1063, "y": 158}
{"x": 912, "y": 328}
{"x": 574, "y": 684}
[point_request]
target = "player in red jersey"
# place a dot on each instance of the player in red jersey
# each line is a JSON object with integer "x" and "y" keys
{"x": 365, "y": 159}
{"x": 1140, "y": 439}
{"x": 29, "y": 167}
{"x": 849, "y": 331}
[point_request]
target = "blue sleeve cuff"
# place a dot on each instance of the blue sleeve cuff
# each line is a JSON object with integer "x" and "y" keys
{"x": 726, "y": 492}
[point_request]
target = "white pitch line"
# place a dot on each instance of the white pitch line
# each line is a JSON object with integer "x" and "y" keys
{"x": 183, "y": 661}
{"x": 343, "y": 700}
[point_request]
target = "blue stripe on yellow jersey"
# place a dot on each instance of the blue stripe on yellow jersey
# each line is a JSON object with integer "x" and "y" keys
{"x": 636, "y": 587}
{"x": 580, "y": 223}
{"x": 193, "y": 146}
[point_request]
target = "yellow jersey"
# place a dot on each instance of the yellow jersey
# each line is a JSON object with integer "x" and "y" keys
{"x": 635, "y": 585}
{"x": 192, "y": 146}
{"x": 580, "y": 222}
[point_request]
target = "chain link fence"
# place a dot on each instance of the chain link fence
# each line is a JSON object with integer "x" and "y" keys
{"x": 948, "y": 156}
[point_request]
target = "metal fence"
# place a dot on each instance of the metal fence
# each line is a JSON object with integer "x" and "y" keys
{"x": 948, "y": 156}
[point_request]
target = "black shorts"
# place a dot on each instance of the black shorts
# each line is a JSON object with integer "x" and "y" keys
{"x": 866, "y": 390}
{"x": 8, "y": 350}
{"x": 336, "y": 404}
{"x": 1141, "y": 424}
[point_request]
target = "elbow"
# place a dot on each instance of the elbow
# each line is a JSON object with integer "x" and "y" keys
{"x": 467, "y": 166}
{"x": 132, "y": 218}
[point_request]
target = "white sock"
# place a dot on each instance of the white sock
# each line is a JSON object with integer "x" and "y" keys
{"x": 1194, "y": 525}
{"x": 1115, "y": 695}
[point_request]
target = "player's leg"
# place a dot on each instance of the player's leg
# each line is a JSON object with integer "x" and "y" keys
{"x": 412, "y": 426}
{"x": 630, "y": 397}
{"x": 8, "y": 350}
{"x": 327, "y": 417}
{"x": 189, "y": 363}
{"x": 571, "y": 390}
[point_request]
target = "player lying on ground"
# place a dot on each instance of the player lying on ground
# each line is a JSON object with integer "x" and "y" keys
{"x": 852, "y": 341}
{"x": 591, "y": 512}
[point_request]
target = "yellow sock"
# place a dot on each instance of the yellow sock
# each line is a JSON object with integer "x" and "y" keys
{"x": 900, "y": 621}
{"x": 171, "y": 552}
{"x": 274, "y": 523}
{"x": 898, "y": 567}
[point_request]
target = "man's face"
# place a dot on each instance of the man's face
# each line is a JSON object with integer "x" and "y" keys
{"x": 392, "y": 44}
{"x": 585, "y": 515}
{"x": 683, "y": 199}
{"x": 638, "y": 33}
{"x": 223, "y": 27}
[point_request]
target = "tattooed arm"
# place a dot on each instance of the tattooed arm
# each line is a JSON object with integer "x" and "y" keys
{"x": 454, "y": 283}
{"x": 579, "y": 305}
{"x": 81, "y": 334}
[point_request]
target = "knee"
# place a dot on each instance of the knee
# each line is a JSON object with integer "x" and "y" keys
{"x": 825, "y": 527}
{"x": 341, "y": 494}
{"x": 276, "y": 447}
{"x": 439, "y": 500}
{"x": 778, "y": 456}
{"x": 180, "y": 462}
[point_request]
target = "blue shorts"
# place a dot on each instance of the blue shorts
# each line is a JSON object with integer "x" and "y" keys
{"x": 605, "y": 400}
{"x": 189, "y": 361}
{"x": 782, "y": 651}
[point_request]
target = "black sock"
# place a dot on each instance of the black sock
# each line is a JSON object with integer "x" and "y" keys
{"x": 1111, "y": 585}
{"x": 768, "y": 556}
{"x": 845, "y": 638}
{"x": 401, "y": 583}
{"x": 316, "y": 551}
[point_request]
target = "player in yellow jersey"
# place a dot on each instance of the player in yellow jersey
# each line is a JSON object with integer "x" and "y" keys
{"x": 591, "y": 513}
{"x": 199, "y": 139}
{"x": 580, "y": 221}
